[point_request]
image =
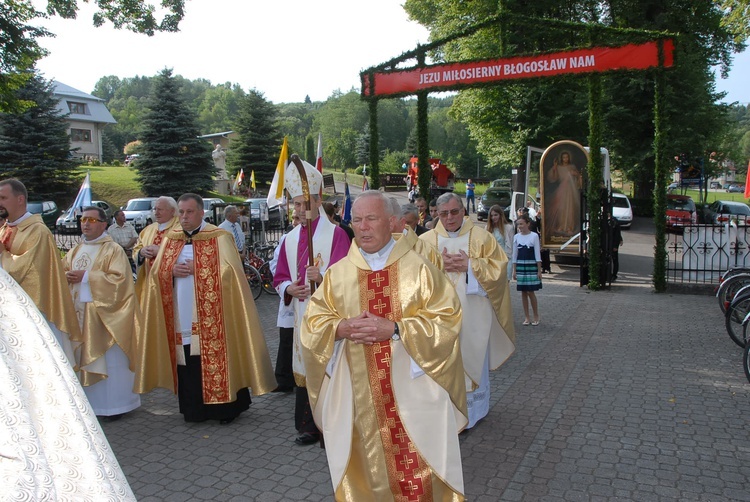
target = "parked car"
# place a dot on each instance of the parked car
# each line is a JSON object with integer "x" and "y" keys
{"x": 140, "y": 212}
{"x": 501, "y": 183}
{"x": 681, "y": 211}
{"x": 277, "y": 217}
{"x": 672, "y": 186}
{"x": 131, "y": 158}
{"x": 715, "y": 185}
{"x": 67, "y": 223}
{"x": 47, "y": 209}
{"x": 208, "y": 208}
{"x": 722, "y": 211}
{"x": 736, "y": 189}
{"x": 492, "y": 196}
{"x": 622, "y": 210}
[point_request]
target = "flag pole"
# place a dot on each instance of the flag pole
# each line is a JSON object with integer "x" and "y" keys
{"x": 308, "y": 212}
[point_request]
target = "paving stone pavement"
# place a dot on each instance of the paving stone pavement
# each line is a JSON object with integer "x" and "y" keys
{"x": 617, "y": 395}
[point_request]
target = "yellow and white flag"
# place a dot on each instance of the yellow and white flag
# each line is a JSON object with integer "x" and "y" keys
{"x": 276, "y": 193}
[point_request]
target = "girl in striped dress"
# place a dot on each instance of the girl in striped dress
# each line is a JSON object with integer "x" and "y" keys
{"x": 527, "y": 266}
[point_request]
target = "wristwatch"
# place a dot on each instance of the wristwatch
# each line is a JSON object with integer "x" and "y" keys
{"x": 396, "y": 332}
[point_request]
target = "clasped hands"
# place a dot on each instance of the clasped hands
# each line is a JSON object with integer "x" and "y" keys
{"x": 182, "y": 270}
{"x": 312, "y": 273}
{"x": 149, "y": 251}
{"x": 455, "y": 262}
{"x": 74, "y": 276}
{"x": 366, "y": 328}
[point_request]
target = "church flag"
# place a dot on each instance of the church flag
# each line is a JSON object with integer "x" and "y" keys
{"x": 275, "y": 194}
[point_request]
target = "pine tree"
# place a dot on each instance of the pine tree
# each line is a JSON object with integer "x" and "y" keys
{"x": 34, "y": 144}
{"x": 173, "y": 159}
{"x": 258, "y": 140}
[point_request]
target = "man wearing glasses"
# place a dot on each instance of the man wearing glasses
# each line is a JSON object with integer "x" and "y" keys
{"x": 29, "y": 254}
{"x": 477, "y": 267}
{"x": 101, "y": 281}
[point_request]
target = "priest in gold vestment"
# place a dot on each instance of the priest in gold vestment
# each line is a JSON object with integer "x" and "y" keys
{"x": 384, "y": 372}
{"x": 203, "y": 339}
{"x": 29, "y": 254}
{"x": 151, "y": 237}
{"x": 101, "y": 282}
{"x": 477, "y": 267}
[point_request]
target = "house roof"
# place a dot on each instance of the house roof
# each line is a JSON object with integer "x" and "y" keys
{"x": 97, "y": 110}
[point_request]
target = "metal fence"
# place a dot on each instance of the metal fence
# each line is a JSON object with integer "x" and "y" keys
{"x": 701, "y": 253}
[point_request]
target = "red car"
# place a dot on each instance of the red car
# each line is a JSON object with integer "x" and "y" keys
{"x": 681, "y": 211}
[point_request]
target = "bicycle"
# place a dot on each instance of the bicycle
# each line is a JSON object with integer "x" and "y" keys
{"x": 729, "y": 288}
{"x": 253, "y": 280}
{"x": 746, "y": 361}
{"x": 736, "y": 317}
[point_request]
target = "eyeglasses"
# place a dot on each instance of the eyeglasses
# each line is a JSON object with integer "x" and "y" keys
{"x": 91, "y": 220}
{"x": 453, "y": 212}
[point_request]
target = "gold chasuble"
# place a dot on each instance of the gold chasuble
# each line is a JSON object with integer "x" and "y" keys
{"x": 113, "y": 315}
{"x": 227, "y": 335}
{"x": 482, "y": 331}
{"x": 391, "y": 411}
{"x": 33, "y": 260}
{"x": 148, "y": 236}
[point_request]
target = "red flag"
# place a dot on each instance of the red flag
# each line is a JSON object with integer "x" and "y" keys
{"x": 319, "y": 158}
{"x": 747, "y": 182}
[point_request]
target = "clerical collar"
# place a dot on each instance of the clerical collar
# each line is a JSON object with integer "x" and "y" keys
{"x": 94, "y": 241}
{"x": 191, "y": 233}
{"x": 19, "y": 220}
{"x": 455, "y": 234}
{"x": 377, "y": 260}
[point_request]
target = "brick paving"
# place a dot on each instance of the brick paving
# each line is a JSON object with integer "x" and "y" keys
{"x": 617, "y": 395}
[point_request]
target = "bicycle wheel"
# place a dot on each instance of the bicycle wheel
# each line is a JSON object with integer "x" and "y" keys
{"x": 267, "y": 279}
{"x": 746, "y": 361}
{"x": 253, "y": 280}
{"x": 729, "y": 289}
{"x": 735, "y": 315}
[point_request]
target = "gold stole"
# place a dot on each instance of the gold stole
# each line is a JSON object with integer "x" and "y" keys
{"x": 409, "y": 475}
{"x": 211, "y": 330}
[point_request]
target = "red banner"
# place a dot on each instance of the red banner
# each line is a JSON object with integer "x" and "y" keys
{"x": 456, "y": 75}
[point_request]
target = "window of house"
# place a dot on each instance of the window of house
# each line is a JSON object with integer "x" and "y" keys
{"x": 78, "y": 108}
{"x": 82, "y": 135}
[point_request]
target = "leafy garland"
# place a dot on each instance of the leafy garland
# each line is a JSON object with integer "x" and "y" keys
{"x": 595, "y": 32}
{"x": 661, "y": 173}
{"x": 596, "y": 182}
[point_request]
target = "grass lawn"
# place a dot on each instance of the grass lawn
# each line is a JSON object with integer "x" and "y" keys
{"x": 713, "y": 195}
{"x": 117, "y": 184}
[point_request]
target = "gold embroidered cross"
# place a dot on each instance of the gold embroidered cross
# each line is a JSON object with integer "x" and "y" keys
{"x": 412, "y": 487}
{"x": 378, "y": 279}
{"x": 380, "y": 306}
{"x": 401, "y": 434}
{"x": 406, "y": 462}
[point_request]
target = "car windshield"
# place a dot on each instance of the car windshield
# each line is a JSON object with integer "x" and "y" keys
{"x": 138, "y": 205}
{"x": 681, "y": 204}
{"x": 34, "y": 207}
{"x": 620, "y": 202}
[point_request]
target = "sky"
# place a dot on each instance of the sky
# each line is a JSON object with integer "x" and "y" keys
{"x": 286, "y": 49}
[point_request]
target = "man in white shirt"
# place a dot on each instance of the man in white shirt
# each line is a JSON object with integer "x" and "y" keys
{"x": 123, "y": 234}
{"x": 231, "y": 224}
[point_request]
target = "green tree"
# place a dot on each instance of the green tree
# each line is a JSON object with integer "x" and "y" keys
{"x": 173, "y": 159}
{"x": 34, "y": 144}
{"x": 20, "y": 50}
{"x": 258, "y": 139}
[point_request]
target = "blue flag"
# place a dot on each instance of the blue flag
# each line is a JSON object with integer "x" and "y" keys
{"x": 83, "y": 198}
{"x": 347, "y": 204}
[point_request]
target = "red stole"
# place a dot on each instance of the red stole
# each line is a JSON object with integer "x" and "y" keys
{"x": 210, "y": 309}
{"x": 7, "y": 235}
{"x": 408, "y": 473}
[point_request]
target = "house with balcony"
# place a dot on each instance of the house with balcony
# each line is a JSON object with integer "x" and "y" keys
{"x": 87, "y": 117}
